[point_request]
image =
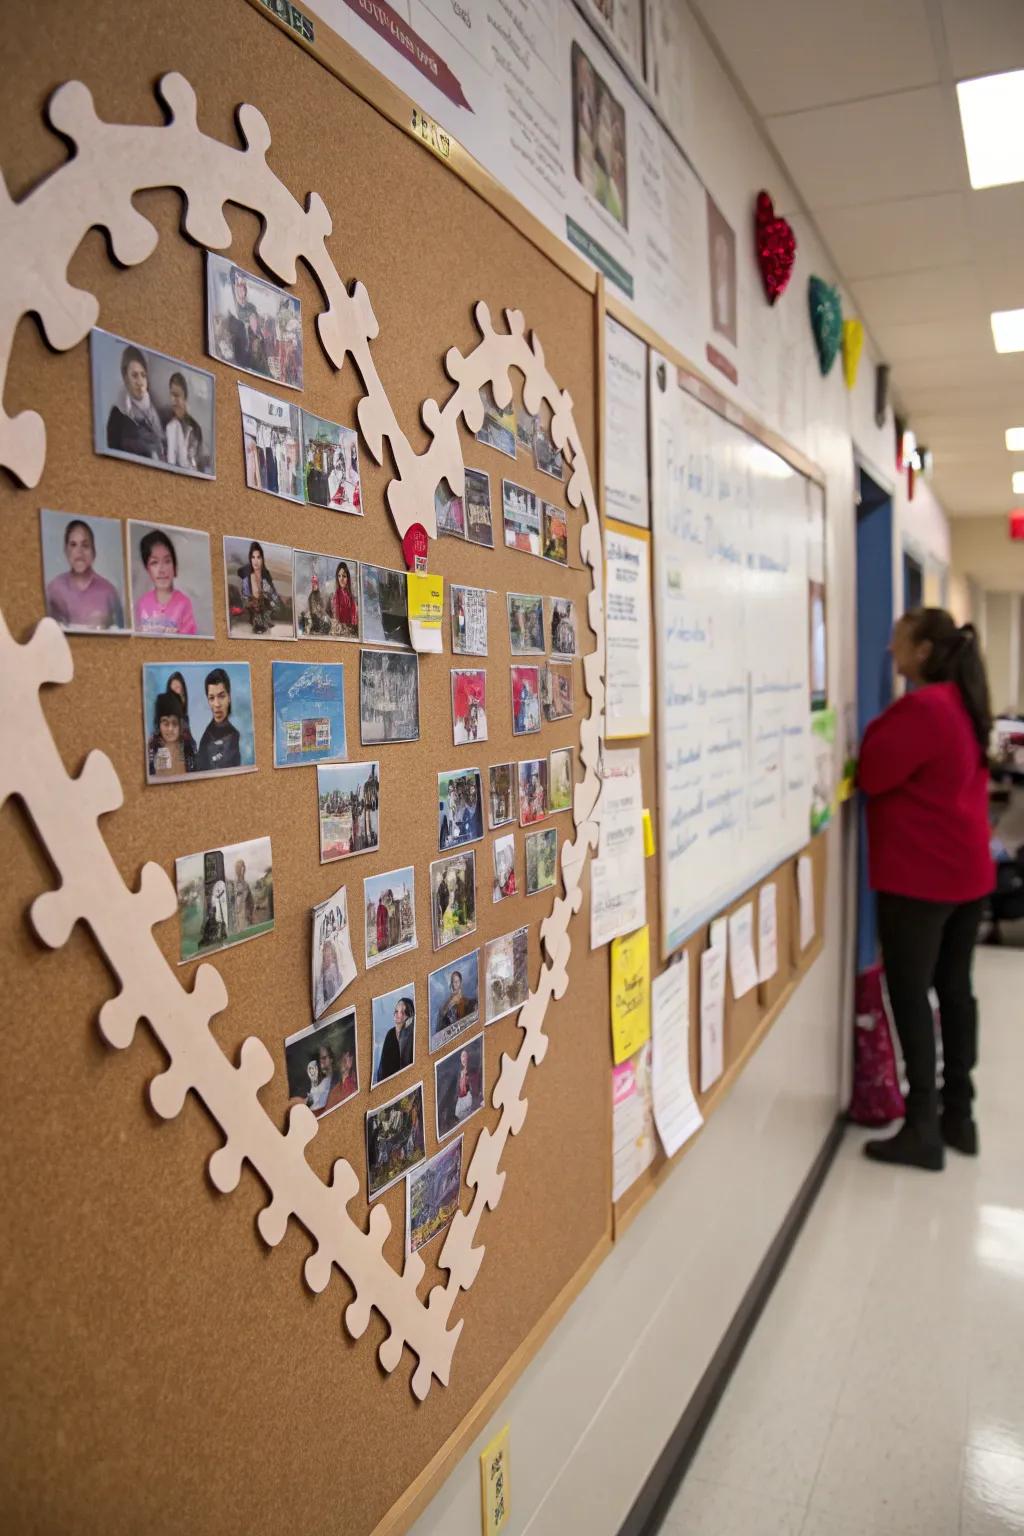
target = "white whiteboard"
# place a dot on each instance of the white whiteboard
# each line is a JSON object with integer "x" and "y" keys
{"x": 730, "y": 524}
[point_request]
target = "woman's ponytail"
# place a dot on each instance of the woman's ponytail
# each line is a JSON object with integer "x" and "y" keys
{"x": 955, "y": 657}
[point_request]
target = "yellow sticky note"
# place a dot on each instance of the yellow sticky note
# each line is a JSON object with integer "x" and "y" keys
{"x": 648, "y": 835}
{"x": 426, "y": 599}
{"x": 494, "y": 1484}
{"x": 631, "y": 993}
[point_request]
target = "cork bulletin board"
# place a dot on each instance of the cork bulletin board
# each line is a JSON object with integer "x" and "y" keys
{"x": 186, "y": 1378}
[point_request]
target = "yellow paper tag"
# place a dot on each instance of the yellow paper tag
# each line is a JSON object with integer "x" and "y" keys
{"x": 631, "y": 993}
{"x": 494, "y": 1484}
{"x": 426, "y": 599}
{"x": 648, "y": 835}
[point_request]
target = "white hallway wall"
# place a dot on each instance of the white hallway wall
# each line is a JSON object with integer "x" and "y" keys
{"x": 593, "y": 1410}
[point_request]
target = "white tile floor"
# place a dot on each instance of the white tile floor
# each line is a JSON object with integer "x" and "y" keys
{"x": 882, "y": 1392}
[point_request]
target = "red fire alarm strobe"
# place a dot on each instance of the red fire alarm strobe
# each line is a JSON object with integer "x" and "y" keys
{"x": 1017, "y": 523}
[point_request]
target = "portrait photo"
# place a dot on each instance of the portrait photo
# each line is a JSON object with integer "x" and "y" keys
{"x": 258, "y": 583}
{"x": 272, "y": 444}
{"x": 525, "y": 624}
{"x": 385, "y": 606}
{"x": 432, "y": 1196}
{"x": 394, "y": 1032}
{"x": 171, "y": 583}
{"x": 501, "y": 780}
{"x": 722, "y": 272}
{"x": 469, "y": 621}
{"x": 506, "y": 963}
{"x": 150, "y": 408}
{"x": 562, "y": 621}
{"x": 541, "y": 860}
{"x": 390, "y": 904}
{"x": 599, "y": 138}
{"x": 334, "y": 966}
{"x": 348, "y": 805}
{"x": 521, "y": 517}
{"x": 198, "y": 719}
{"x": 389, "y": 697}
{"x": 505, "y": 867}
{"x": 454, "y": 999}
{"x": 326, "y": 596}
{"x": 322, "y": 1063}
{"x": 499, "y": 428}
{"x": 453, "y": 898}
{"x": 309, "y": 712}
{"x": 225, "y": 896}
{"x": 460, "y": 808}
{"x": 450, "y": 512}
{"x": 83, "y": 573}
{"x": 394, "y": 1140}
{"x": 525, "y": 700}
{"x": 560, "y": 779}
{"x": 251, "y": 324}
{"x": 459, "y": 1086}
{"x": 556, "y": 535}
{"x": 469, "y": 705}
{"x": 477, "y": 501}
{"x": 533, "y": 790}
{"x": 330, "y": 458}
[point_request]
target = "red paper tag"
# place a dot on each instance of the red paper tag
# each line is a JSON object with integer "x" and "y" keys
{"x": 415, "y": 546}
{"x": 1017, "y": 523}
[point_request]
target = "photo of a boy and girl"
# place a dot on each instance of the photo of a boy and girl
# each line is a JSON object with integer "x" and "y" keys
{"x": 322, "y": 1063}
{"x": 150, "y": 408}
{"x": 198, "y": 720}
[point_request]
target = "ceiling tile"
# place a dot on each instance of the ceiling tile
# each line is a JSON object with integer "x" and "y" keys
{"x": 869, "y": 151}
{"x": 903, "y": 236}
{"x": 953, "y": 339}
{"x": 794, "y": 54}
{"x": 938, "y": 295}
{"x": 984, "y": 37}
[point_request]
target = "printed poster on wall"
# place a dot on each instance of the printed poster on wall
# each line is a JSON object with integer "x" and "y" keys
{"x": 625, "y": 426}
{"x": 627, "y": 635}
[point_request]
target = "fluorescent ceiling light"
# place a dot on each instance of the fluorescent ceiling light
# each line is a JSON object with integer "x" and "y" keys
{"x": 1018, "y": 482}
{"x": 1008, "y": 330}
{"x": 992, "y": 118}
{"x": 1015, "y": 439}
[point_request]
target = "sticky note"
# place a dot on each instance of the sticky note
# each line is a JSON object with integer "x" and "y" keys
{"x": 648, "y": 835}
{"x": 494, "y": 1483}
{"x": 425, "y": 597}
{"x": 631, "y": 993}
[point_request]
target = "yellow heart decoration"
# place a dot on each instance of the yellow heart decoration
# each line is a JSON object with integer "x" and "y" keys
{"x": 853, "y": 345}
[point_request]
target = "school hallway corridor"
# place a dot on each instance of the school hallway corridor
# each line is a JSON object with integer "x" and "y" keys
{"x": 882, "y": 1391}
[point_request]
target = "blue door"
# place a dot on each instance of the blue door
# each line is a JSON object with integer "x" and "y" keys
{"x": 874, "y": 667}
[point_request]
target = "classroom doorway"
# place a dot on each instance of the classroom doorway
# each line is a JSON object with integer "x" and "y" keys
{"x": 874, "y": 667}
{"x": 913, "y": 583}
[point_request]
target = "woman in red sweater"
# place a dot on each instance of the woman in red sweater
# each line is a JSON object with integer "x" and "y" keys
{"x": 924, "y": 769}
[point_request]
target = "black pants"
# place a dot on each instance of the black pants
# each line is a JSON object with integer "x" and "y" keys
{"x": 926, "y": 944}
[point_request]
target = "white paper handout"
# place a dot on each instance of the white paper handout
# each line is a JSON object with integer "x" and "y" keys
{"x": 632, "y": 1125}
{"x": 712, "y": 1016}
{"x": 767, "y": 931}
{"x": 618, "y": 891}
{"x": 675, "y": 1109}
{"x": 625, "y": 417}
{"x": 627, "y": 636}
{"x": 805, "y": 890}
{"x": 742, "y": 964}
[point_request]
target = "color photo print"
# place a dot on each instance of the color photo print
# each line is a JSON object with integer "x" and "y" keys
{"x": 394, "y": 1140}
{"x": 390, "y": 904}
{"x": 83, "y": 573}
{"x": 225, "y": 896}
{"x": 560, "y": 779}
{"x": 546, "y": 456}
{"x": 599, "y": 137}
{"x": 453, "y": 898}
{"x": 504, "y": 867}
{"x": 251, "y": 324}
{"x": 469, "y": 705}
{"x": 198, "y": 720}
{"x": 389, "y": 697}
{"x": 170, "y": 582}
{"x": 432, "y": 1196}
{"x": 309, "y": 713}
{"x": 348, "y": 807}
{"x": 521, "y": 518}
{"x": 258, "y": 583}
{"x": 541, "y": 860}
{"x": 326, "y": 597}
{"x": 394, "y": 1032}
{"x": 272, "y": 443}
{"x": 525, "y": 700}
{"x": 525, "y": 624}
{"x": 334, "y": 966}
{"x": 469, "y": 621}
{"x": 459, "y": 1086}
{"x": 499, "y": 427}
{"x": 562, "y": 619}
{"x": 322, "y": 1063}
{"x": 556, "y": 534}
{"x": 453, "y": 999}
{"x": 502, "y": 793}
{"x": 330, "y": 454}
{"x": 449, "y": 512}
{"x": 558, "y": 693}
{"x": 385, "y": 606}
{"x": 506, "y": 965}
{"x": 477, "y": 502}
{"x": 533, "y": 790}
{"x": 150, "y": 408}
{"x": 460, "y": 808}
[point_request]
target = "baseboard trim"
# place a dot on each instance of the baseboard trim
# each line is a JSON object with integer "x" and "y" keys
{"x": 656, "y": 1495}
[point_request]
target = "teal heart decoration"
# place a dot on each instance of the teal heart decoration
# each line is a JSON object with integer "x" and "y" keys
{"x": 826, "y": 320}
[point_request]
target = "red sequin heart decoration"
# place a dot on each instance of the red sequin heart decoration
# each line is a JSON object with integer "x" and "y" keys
{"x": 776, "y": 247}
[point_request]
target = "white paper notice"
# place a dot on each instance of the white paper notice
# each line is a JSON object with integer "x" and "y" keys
{"x": 625, "y": 426}
{"x": 675, "y": 1109}
{"x": 805, "y": 889}
{"x": 615, "y": 908}
{"x": 719, "y": 935}
{"x": 712, "y": 1016}
{"x": 627, "y": 636}
{"x": 632, "y": 1122}
{"x": 742, "y": 964}
{"x": 767, "y": 931}
{"x": 618, "y": 890}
